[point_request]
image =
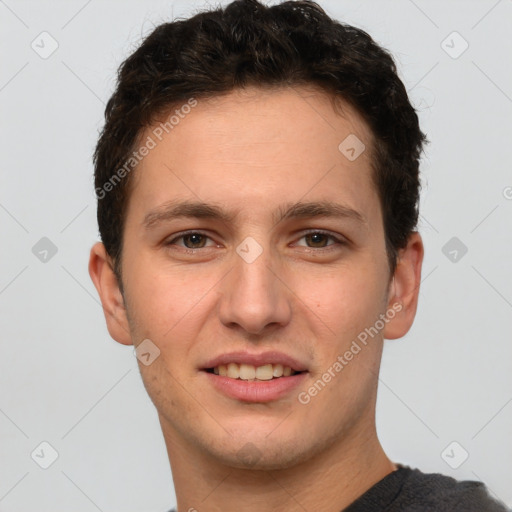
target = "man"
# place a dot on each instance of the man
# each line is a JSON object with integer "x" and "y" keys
{"x": 257, "y": 183}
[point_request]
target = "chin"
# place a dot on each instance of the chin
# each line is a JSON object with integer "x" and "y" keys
{"x": 262, "y": 453}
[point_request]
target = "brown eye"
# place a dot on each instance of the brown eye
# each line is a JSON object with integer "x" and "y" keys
{"x": 196, "y": 240}
{"x": 317, "y": 239}
{"x": 191, "y": 240}
{"x": 320, "y": 240}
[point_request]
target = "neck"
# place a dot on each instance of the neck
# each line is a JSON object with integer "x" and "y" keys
{"x": 328, "y": 481}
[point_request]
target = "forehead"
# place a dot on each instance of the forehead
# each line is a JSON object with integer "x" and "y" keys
{"x": 256, "y": 148}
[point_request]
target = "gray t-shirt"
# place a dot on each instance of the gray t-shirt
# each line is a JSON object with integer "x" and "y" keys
{"x": 410, "y": 490}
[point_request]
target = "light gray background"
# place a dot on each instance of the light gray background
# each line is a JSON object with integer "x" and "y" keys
{"x": 64, "y": 381}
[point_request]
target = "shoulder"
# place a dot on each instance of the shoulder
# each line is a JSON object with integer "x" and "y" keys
{"x": 435, "y": 491}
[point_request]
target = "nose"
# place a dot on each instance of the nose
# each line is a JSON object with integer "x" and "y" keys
{"x": 254, "y": 297}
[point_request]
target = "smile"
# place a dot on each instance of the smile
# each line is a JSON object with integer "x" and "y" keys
{"x": 245, "y": 371}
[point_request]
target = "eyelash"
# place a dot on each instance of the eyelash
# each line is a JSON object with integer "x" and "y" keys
{"x": 328, "y": 248}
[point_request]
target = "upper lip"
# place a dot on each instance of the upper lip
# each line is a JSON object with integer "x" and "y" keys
{"x": 244, "y": 357}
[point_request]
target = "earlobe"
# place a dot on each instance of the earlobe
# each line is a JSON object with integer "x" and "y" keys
{"x": 404, "y": 289}
{"x": 112, "y": 300}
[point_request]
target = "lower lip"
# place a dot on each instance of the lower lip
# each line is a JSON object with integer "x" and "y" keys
{"x": 256, "y": 390}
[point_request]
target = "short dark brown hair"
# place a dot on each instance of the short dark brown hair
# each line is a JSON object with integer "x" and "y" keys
{"x": 249, "y": 44}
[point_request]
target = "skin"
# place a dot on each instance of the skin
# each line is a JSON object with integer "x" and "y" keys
{"x": 251, "y": 152}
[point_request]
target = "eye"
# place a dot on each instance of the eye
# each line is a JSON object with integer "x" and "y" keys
{"x": 318, "y": 239}
{"x": 191, "y": 240}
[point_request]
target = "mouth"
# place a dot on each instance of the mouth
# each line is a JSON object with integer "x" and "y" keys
{"x": 256, "y": 378}
{"x": 249, "y": 372}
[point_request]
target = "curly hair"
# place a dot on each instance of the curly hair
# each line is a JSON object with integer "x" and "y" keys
{"x": 249, "y": 44}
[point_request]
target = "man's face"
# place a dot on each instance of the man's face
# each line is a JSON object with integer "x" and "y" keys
{"x": 302, "y": 286}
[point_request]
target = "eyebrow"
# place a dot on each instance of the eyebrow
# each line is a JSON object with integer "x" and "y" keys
{"x": 200, "y": 210}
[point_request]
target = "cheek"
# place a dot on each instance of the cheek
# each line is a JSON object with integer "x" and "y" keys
{"x": 157, "y": 298}
{"x": 153, "y": 306}
{"x": 169, "y": 308}
{"x": 345, "y": 299}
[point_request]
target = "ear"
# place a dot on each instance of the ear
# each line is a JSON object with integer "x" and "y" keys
{"x": 404, "y": 289}
{"x": 105, "y": 281}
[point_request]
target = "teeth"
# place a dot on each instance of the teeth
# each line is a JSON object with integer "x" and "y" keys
{"x": 233, "y": 371}
{"x": 249, "y": 372}
{"x": 265, "y": 372}
{"x": 278, "y": 370}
